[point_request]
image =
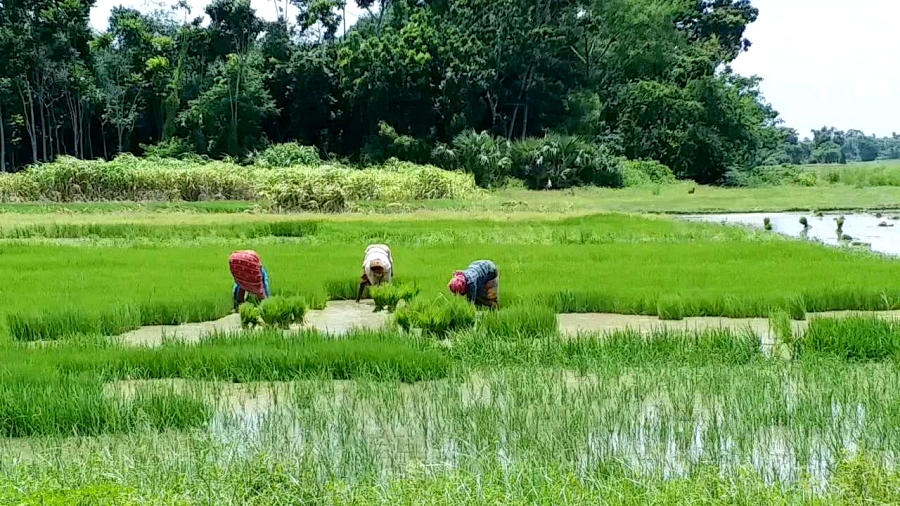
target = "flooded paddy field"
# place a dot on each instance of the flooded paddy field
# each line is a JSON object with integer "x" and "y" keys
{"x": 664, "y": 359}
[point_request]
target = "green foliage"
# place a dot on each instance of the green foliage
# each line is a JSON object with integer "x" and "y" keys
{"x": 646, "y": 172}
{"x": 389, "y": 144}
{"x": 171, "y": 148}
{"x": 227, "y": 118}
{"x": 436, "y": 317}
{"x": 480, "y": 154}
{"x": 327, "y": 188}
{"x": 556, "y": 161}
{"x": 389, "y": 296}
{"x": 288, "y": 154}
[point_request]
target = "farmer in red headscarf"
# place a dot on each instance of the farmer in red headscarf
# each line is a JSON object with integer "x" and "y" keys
{"x": 480, "y": 283}
{"x": 250, "y": 277}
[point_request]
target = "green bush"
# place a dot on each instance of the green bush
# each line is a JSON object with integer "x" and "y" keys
{"x": 646, "y": 172}
{"x": 388, "y": 143}
{"x": 437, "y": 317}
{"x": 480, "y": 154}
{"x": 289, "y": 154}
{"x": 557, "y": 161}
{"x": 171, "y": 148}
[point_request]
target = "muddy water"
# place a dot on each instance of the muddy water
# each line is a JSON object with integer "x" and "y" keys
{"x": 577, "y": 324}
{"x": 879, "y": 232}
{"x": 338, "y": 317}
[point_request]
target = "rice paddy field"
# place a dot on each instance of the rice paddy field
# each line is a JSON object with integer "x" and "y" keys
{"x": 727, "y": 365}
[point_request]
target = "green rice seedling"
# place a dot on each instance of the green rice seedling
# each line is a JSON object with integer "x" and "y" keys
{"x": 783, "y": 332}
{"x": 767, "y": 224}
{"x": 436, "y": 317}
{"x": 343, "y": 289}
{"x": 277, "y": 312}
{"x": 298, "y": 307}
{"x": 250, "y": 315}
{"x": 270, "y": 356}
{"x": 519, "y": 321}
{"x": 388, "y": 296}
{"x": 854, "y": 338}
{"x": 670, "y": 307}
{"x": 797, "y": 307}
{"x": 284, "y": 229}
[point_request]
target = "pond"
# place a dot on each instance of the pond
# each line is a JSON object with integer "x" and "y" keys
{"x": 880, "y": 231}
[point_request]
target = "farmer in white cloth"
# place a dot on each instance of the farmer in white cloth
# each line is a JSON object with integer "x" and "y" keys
{"x": 377, "y": 268}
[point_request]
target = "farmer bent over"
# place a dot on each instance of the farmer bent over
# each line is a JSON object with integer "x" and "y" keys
{"x": 249, "y": 276}
{"x": 378, "y": 267}
{"x": 480, "y": 283}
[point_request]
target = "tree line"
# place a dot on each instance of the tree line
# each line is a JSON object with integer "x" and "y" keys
{"x": 644, "y": 79}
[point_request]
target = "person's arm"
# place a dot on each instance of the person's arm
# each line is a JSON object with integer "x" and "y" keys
{"x": 265, "y": 277}
{"x": 363, "y": 283}
{"x": 472, "y": 286}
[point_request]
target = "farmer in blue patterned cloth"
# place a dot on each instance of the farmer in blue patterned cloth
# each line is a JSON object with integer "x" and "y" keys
{"x": 480, "y": 283}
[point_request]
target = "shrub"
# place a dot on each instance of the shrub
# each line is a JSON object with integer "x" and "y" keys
{"x": 646, "y": 172}
{"x": 479, "y": 154}
{"x": 171, "y": 148}
{"x": 436, "y": 317}
{"x": 557, "y": 161}
{"x": 288, "y": 154}
{"x": 390, "y": 144}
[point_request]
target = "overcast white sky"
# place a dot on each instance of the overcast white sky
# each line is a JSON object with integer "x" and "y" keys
{"x": 824, "y": 62}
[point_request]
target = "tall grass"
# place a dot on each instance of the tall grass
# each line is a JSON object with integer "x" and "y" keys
{"x": 313, "y": 187}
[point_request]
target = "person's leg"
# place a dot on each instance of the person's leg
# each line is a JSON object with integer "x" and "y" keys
{"x": 239, "y": 295}
{"x": 491, "y": 295}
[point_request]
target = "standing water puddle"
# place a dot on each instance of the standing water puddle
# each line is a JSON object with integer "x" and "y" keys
{"x": 876, "y": 230}
{"x": 338, "y": 317}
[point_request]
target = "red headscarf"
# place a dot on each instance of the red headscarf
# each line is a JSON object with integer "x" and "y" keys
{"x": 246, "y": 269}
{"x": 458, "y": 283}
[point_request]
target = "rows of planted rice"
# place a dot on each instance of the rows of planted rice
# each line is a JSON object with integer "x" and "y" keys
{"x": 610, "y": 263}
{"x": 446, "y": 404}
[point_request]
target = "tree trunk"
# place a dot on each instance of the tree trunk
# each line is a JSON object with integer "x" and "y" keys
{"x": 2, "y": 141}
{"x": 28, "y": 109}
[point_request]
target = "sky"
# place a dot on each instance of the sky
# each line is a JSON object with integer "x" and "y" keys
{"x": 824, "y": 62}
